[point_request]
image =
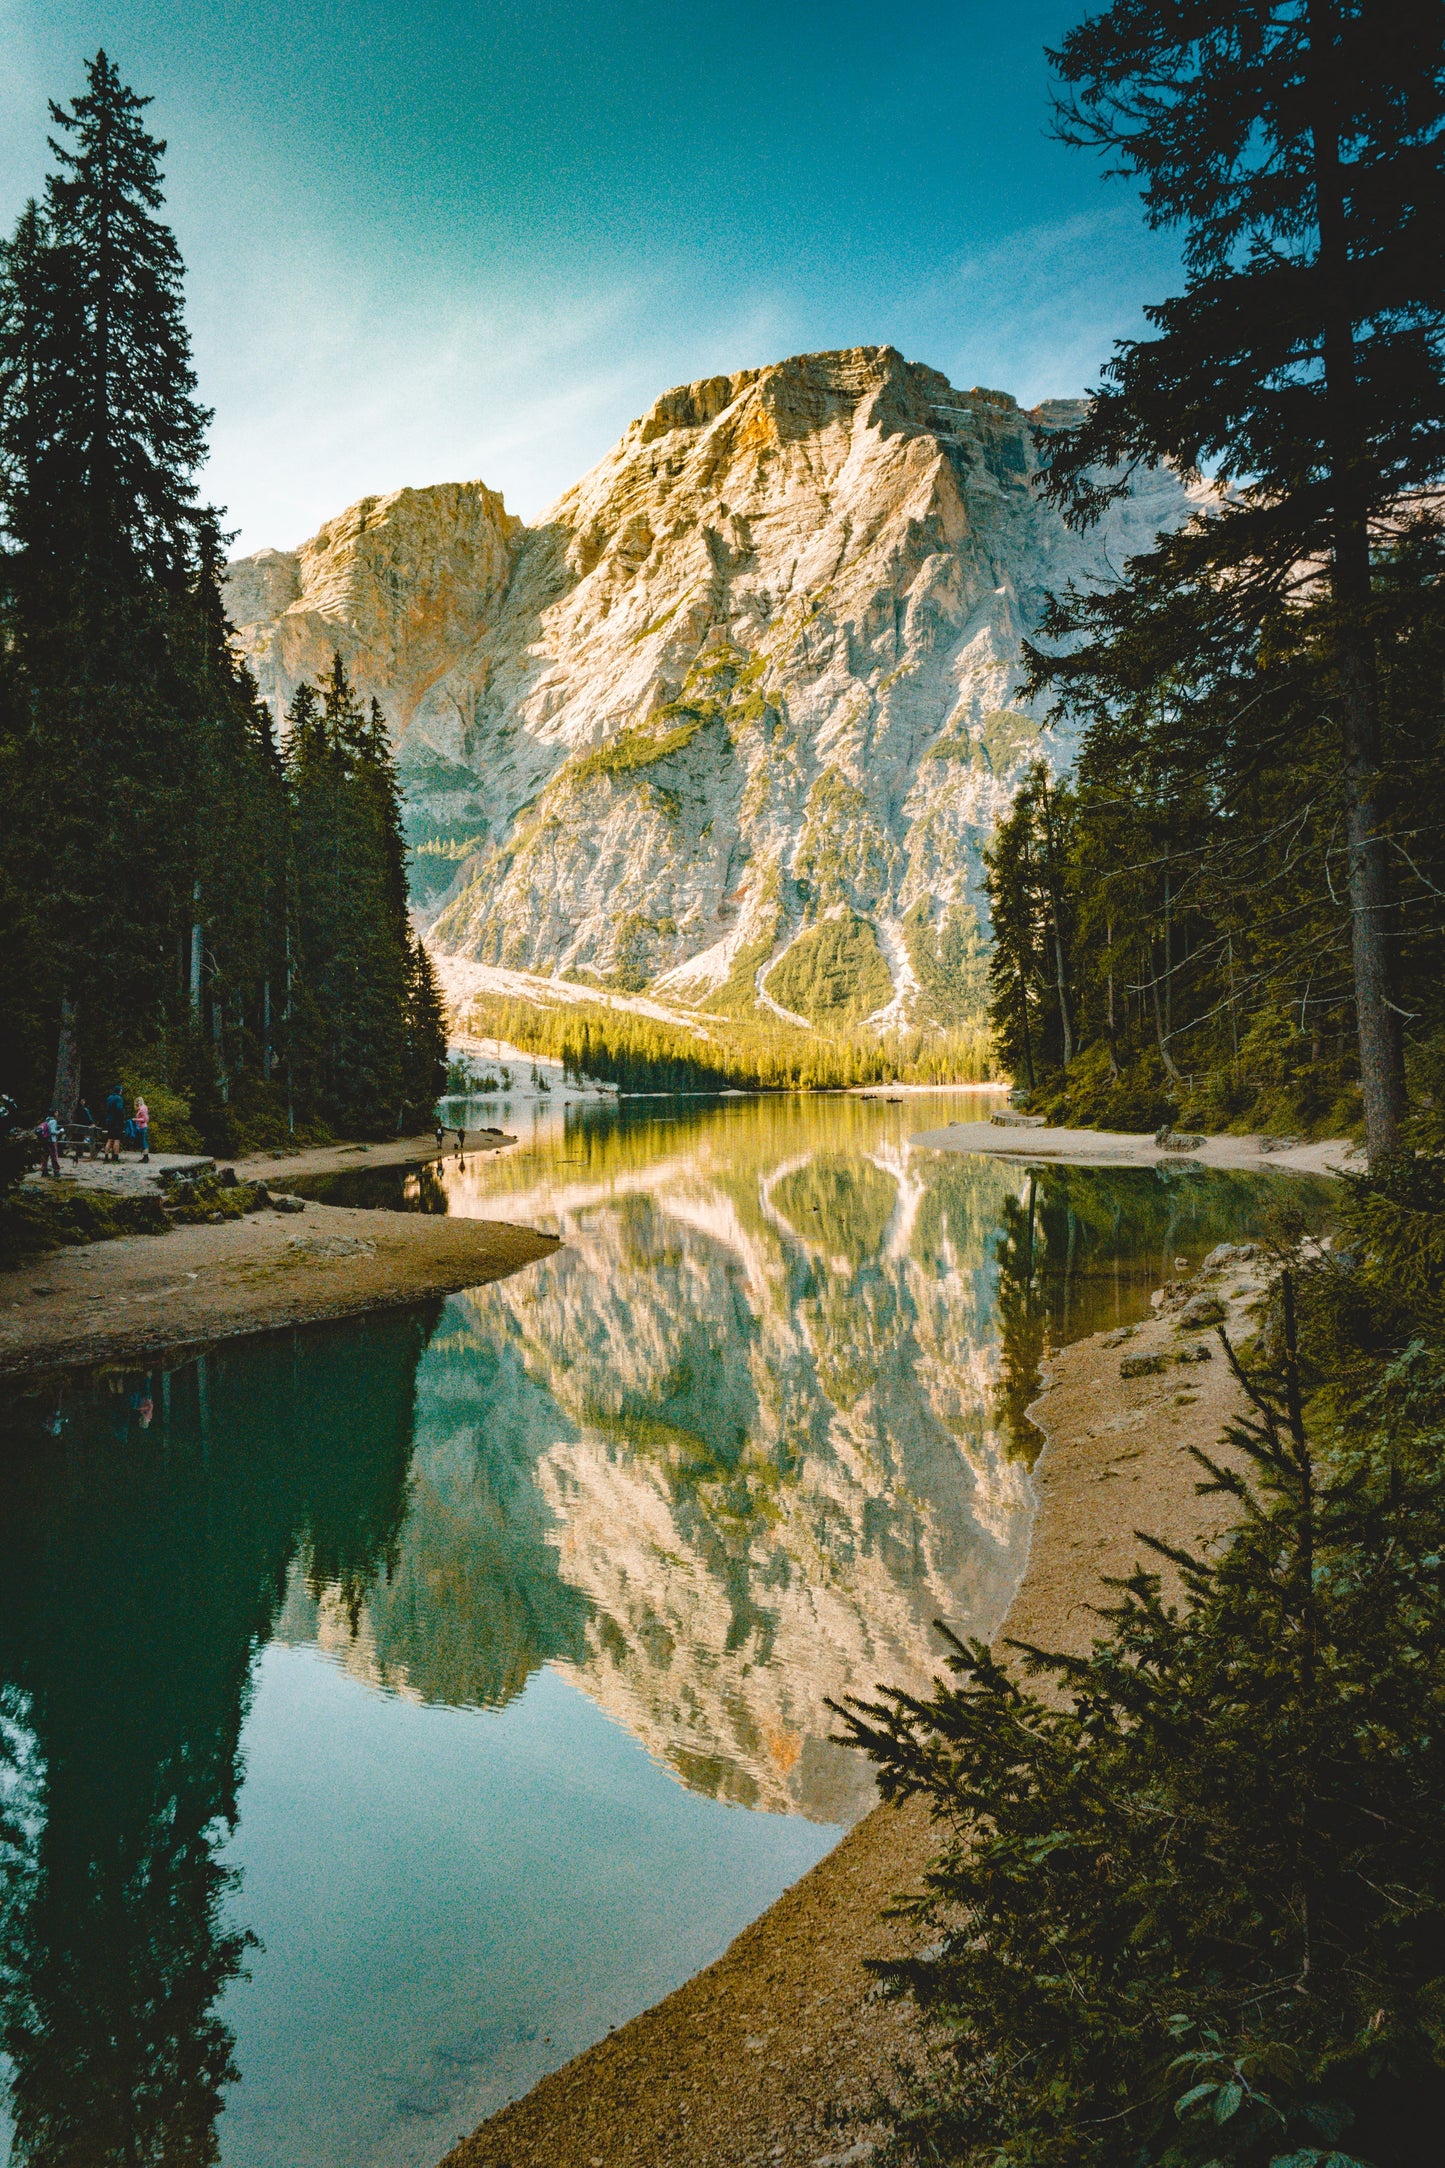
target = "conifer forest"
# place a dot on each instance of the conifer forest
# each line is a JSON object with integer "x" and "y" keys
{"x": 189, "y": 910}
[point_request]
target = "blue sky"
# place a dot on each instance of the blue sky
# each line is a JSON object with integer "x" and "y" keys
{"x": 440, "y": 239}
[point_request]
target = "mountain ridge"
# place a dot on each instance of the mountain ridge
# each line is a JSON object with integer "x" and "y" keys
{"x": 736, "y": 715}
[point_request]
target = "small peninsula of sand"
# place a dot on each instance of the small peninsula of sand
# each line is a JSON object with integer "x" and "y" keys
{"x": 141, "y": 1295}
{"x": 772, "y": 2055}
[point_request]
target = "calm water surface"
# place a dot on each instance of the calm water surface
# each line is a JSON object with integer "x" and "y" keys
{"x": 388, "y": 1709}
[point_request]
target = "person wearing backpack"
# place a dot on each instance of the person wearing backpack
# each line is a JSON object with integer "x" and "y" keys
{"x": 114, "y": 1123}
{"x": 49, "y": 1135}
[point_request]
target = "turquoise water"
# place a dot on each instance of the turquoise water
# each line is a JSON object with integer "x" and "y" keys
{"x": 390, "y": 1708}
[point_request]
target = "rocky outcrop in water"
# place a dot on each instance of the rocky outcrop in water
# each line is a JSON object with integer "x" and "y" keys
{"x": 751, "y": 679}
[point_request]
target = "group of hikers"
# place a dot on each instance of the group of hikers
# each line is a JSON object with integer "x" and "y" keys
{"x": 84, "y": 1129}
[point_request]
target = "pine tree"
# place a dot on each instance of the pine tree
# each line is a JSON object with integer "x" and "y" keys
{"x": 424, "y": 1076}
{"x": 1299, "y": 147}
{"x": 1211, "y": 965}
{"x": 125, "y": 416}
{"x": 101, "y": 434}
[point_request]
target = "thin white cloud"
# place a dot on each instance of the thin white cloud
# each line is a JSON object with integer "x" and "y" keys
{"x": 1037, "y": 314}
{"x": 328, "y": 388}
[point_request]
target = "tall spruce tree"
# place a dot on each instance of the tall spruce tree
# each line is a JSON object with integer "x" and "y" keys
{"x": 1298, "y": 143}
{"x": 175, "y": 886}
{"x": 101, "y": 436}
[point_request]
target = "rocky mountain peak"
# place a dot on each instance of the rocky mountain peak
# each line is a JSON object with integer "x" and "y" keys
{"x": 737, "y": 713}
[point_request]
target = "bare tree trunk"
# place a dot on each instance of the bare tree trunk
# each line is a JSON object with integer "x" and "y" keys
{"x": 1164, "y": 1054}
{"x": 1382, "y": 1069}
{"x": 218, "y": 1041}
{"x": 1064, "y": 1018}
{"x": 67, "y": 1061}
{"x": 197, "y": 943}
{"x": 1024, "y": 1021}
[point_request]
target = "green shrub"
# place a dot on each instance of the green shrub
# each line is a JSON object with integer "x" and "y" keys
{"x": 632, "y": 750}
{"x": 1096, "y": 1094}
{"x": 1191, "y": 1908}
{"x": 209, "y": 1201}
{"x": 172, "y": 1129}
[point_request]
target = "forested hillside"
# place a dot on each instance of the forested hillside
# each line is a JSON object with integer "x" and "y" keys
{"x": 168, "y": 926}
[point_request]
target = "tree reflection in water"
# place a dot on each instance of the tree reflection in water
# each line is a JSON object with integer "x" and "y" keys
{"x": 1082, "y": 1247}
{"x": 147, "y": 1528}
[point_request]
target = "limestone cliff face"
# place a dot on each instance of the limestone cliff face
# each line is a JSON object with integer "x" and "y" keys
{"x": 753, "y": 675}
{"x": 402, "y": 585}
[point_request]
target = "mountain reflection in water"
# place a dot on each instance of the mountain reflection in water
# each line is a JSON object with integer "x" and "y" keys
{"x": 737, "y": 1446}
{"x": 728, "y": 1453}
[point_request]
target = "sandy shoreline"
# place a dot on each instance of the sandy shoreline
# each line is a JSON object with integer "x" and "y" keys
{"x": 1122, "y": 1148}
{"x": 772, "y": 2054}
{"x": 143, "y": 1295}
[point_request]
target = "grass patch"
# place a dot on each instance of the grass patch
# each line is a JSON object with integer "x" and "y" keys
{"x": 632, "y": 750}
{"x": 209, "y": 1201}
{"x": 645, "y": 632}
{"x": 1001, "y": 741}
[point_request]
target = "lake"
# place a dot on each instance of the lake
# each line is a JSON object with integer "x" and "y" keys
{"x": 388, "y": 1709}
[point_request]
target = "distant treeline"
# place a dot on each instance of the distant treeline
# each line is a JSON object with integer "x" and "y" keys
{"x": 645, "y": 1054}
{"x": 186, "y": 911}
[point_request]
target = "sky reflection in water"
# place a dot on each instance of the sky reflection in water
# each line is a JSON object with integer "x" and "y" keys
{"x": 473, "y": 1657}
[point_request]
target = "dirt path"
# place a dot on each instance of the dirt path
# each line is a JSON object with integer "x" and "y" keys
{"x": 772, "y": 2054}
{"x": 347, "y": 1158}
{"x": 132, "y": 1176}
{"x": 118, "y": 1301}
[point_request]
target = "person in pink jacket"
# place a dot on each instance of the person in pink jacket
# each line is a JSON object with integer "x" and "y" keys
{"x": 142, "y": 1120}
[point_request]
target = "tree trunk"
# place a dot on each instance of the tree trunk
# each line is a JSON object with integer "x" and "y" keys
{"x": 1024, "y": 1025}
{"x": 197, "y": 942}
{"x": 1164, "y": 1054}
{"x": 67, "y": 1061}
{"x": 1065, "y": 1023}
{"x": 1382, "y": 1071}
{"x": 218, "y": 1041}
